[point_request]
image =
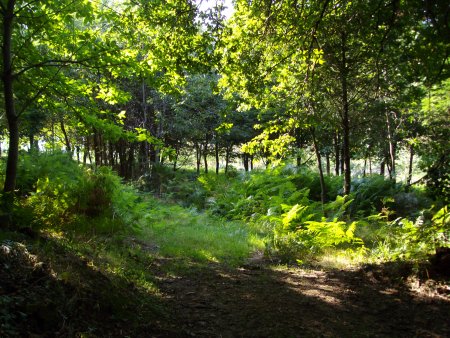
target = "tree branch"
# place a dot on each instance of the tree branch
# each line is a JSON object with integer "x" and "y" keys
{"x": 38, "y": 93}
{"x": 50, "y": 63}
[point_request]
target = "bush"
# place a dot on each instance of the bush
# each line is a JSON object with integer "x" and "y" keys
{"x": 184, "y": 188}
{"x": 404, "y": 239}
{"x": 56, "y": 191}
{"x": 35, "y": 166}
{"x": 370, "y": 194}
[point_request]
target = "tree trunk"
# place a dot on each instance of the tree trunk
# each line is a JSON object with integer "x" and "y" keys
{"x": 205, "y": 156}
{"x": 327, "y": 156}
{"x": 198, "y": 156}
{"x": 104, "y": 150}
{"x": 246, "y": 161}
{"x": 111, "y": 154}
{"x": 31, "y": 137}
{"x": 78, "y": 153}
{"x": 66, "y": 138}
{"x": 142, "y": 158}
{"x": 365, "y": 165}
{"x": 392, "y": 148}
{"x": 86, "y": 150}
{"x": 337, "y": 152}
{"x": 216, "y": 151}
{"x": 130, "y": 162}
{"x": 175, "y": 160}
{"x": 97, "y": 151}
{"x": 8, "y": 92}
{"x": 382, "y": 167}
{"x": 227, "y": 157}
{"x": 410, "y": 168}
{"x": 122, "y": 158}
{"x": 319, "y": 165}
{"x": 345, "y": 116}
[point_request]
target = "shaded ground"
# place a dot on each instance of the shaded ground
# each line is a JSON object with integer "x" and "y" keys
{"x": 255, "y": 300}
{"x": 262, "y": 302}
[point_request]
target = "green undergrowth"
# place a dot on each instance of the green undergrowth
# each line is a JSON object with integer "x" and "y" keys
{"x": 380, "y": 221}
{"x": 226, "y": 218}
{"x": 58, "y": 195}
{"x": 187, "y": 234}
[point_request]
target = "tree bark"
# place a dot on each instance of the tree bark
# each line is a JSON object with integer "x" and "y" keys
{"x": 8, "y": 92}
{"x": 365, "y": 165}
{"x": 175, "y": 160}
{"x": 66, "y": 138}
{"x": 319, "y": 165}
{"x": 97, "y": 153}
{"x": 198, "y": 156}
{"x": 205, "y": 156}
{"x": 216, "y": 151}
{"x": 246, "y": 161}
{"x": 337, "y": 152}
{"x": 410, "y": 168}
{"x": 32, "y": 142}
{"x": 392, "y": 148}
{"x": 78, "y": 153}
{"x": 86, "y": 149}
{"x": 345, "y": 115}
{"x": 327, "y": 156}
{"x": 130, "y": 162}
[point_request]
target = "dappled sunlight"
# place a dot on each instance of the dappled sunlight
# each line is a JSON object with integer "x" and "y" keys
{"x": 282, "y": 301}
{"x": 342, "y": 259}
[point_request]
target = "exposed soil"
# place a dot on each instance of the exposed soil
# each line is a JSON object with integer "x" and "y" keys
{"x": 255, "y": 300}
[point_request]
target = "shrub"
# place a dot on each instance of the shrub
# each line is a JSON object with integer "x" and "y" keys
{"x": 412, "y": 240}
{"x": 56, "y": 191}
{"x": 370, "y": 194}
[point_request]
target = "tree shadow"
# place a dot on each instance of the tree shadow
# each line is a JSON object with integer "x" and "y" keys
{"x": 77, "y": 301}
{"x": 222, "y": 302}
{"x": 203, "y": 300}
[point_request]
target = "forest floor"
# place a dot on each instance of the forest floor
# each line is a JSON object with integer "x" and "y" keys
{"x": 264, "y": 301}
{"x": 58, "y": 294}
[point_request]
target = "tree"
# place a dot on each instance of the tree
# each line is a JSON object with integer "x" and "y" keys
{"x": 274, "y": 51}
{"x": 39, "y": 41}
{"x": 434, "y": 142}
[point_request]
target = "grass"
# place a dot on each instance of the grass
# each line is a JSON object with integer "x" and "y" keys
{"x": 342, "y": 259}
{"x": 184, "y": 233}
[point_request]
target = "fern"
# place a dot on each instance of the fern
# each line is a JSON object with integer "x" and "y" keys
{"x": 296, "y": 217}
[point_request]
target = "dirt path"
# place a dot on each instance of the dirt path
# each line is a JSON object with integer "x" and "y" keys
{"x": 262, "y": 302}
{"x": 208, "y": 300}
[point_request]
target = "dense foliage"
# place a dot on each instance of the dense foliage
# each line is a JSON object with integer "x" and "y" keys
{"x": 151, "y": 93}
